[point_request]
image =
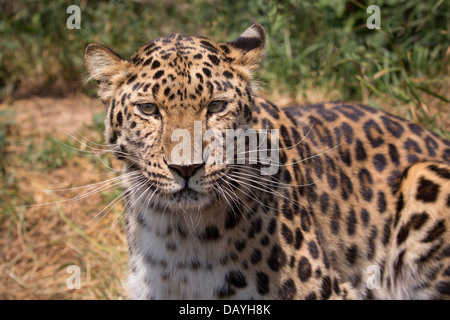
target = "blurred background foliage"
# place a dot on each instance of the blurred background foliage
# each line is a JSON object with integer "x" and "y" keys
{"x": 312, "y": 44}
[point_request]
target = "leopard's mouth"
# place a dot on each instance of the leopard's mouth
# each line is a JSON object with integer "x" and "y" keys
{"x": 186, "y": 194}
{"x": 186, "y": 198}
{"x": 183, "y": 199}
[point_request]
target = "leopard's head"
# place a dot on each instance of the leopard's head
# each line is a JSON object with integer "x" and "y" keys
{"x": 162, "y": 101}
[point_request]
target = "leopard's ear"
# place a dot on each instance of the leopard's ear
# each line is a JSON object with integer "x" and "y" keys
{"x": 105, "y": 66}
{"x": 249, "y": 49}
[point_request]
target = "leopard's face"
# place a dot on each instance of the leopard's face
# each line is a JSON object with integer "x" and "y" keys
{"x": 164, "y": 103}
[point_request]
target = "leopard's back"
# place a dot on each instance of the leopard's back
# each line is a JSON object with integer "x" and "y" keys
{"x": 357, "y": 163}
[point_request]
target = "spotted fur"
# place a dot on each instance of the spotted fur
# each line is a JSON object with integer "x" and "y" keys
{"x": 356, "y": 187}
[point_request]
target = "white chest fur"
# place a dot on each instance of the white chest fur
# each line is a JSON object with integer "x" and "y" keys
{"x": 180, "y": 255}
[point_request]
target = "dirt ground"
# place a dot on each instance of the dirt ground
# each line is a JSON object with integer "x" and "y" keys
{"x": 39, "y": 243}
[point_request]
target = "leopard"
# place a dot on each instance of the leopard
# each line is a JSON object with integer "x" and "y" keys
{"x": 357, "y": 206}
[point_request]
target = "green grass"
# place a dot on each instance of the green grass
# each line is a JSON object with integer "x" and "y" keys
{"x": 6, "y": 121}
{"x": 53, "y": 153}
{"x": 98, "y": 123}
{"x": 321, "y": 44}
{"x": 10, "y": 196}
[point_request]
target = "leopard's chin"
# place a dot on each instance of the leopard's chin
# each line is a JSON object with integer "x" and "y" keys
{"x": 179, "y": 200}
{"x": 186, "y": 200}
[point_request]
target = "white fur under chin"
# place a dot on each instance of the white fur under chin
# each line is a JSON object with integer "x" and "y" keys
{"x": 169, "y": 275}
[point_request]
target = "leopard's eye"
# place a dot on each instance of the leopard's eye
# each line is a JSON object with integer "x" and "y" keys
{"x": 217, "y": 106}
{"x": 147, "y": 109}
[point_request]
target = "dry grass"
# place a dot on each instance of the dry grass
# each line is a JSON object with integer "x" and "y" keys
{"x": 38, "y": 243}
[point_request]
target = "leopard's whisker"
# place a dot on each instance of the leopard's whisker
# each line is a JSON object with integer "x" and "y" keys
{"x": 82, "y": 143}
{"x": 86, "y": 153}
{"x": 239, "y": 180}
{"x": 225, "y": 196}
{"x": 112, "y": 204}
{"x": 251, "y": 196}
{"x": 278, "y": 164}
{"x": 197, "y": 218}
{"x": 96, "y": 152}
{"x": 124, "y": 210}
{"x": 77, "y": 188}
{"x": 105, "y": 145}
{"x": 130, "y": 205}
{"x": 275, "y": 183}
{"x": 109, "y": 148}
{"x": 81, "y": 136}
{"x": 279, "y": 149}
{"x": 148, "y": 196}
{"x": 235, "y": 199}
{"x": 115, "y": 201}
{"x": 142, "y": 183}
{"x": 154, "y": 184}
{"x": 103, "y": 187}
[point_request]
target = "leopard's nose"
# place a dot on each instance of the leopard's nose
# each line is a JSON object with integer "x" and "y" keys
{"x": 185, "y": 171}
